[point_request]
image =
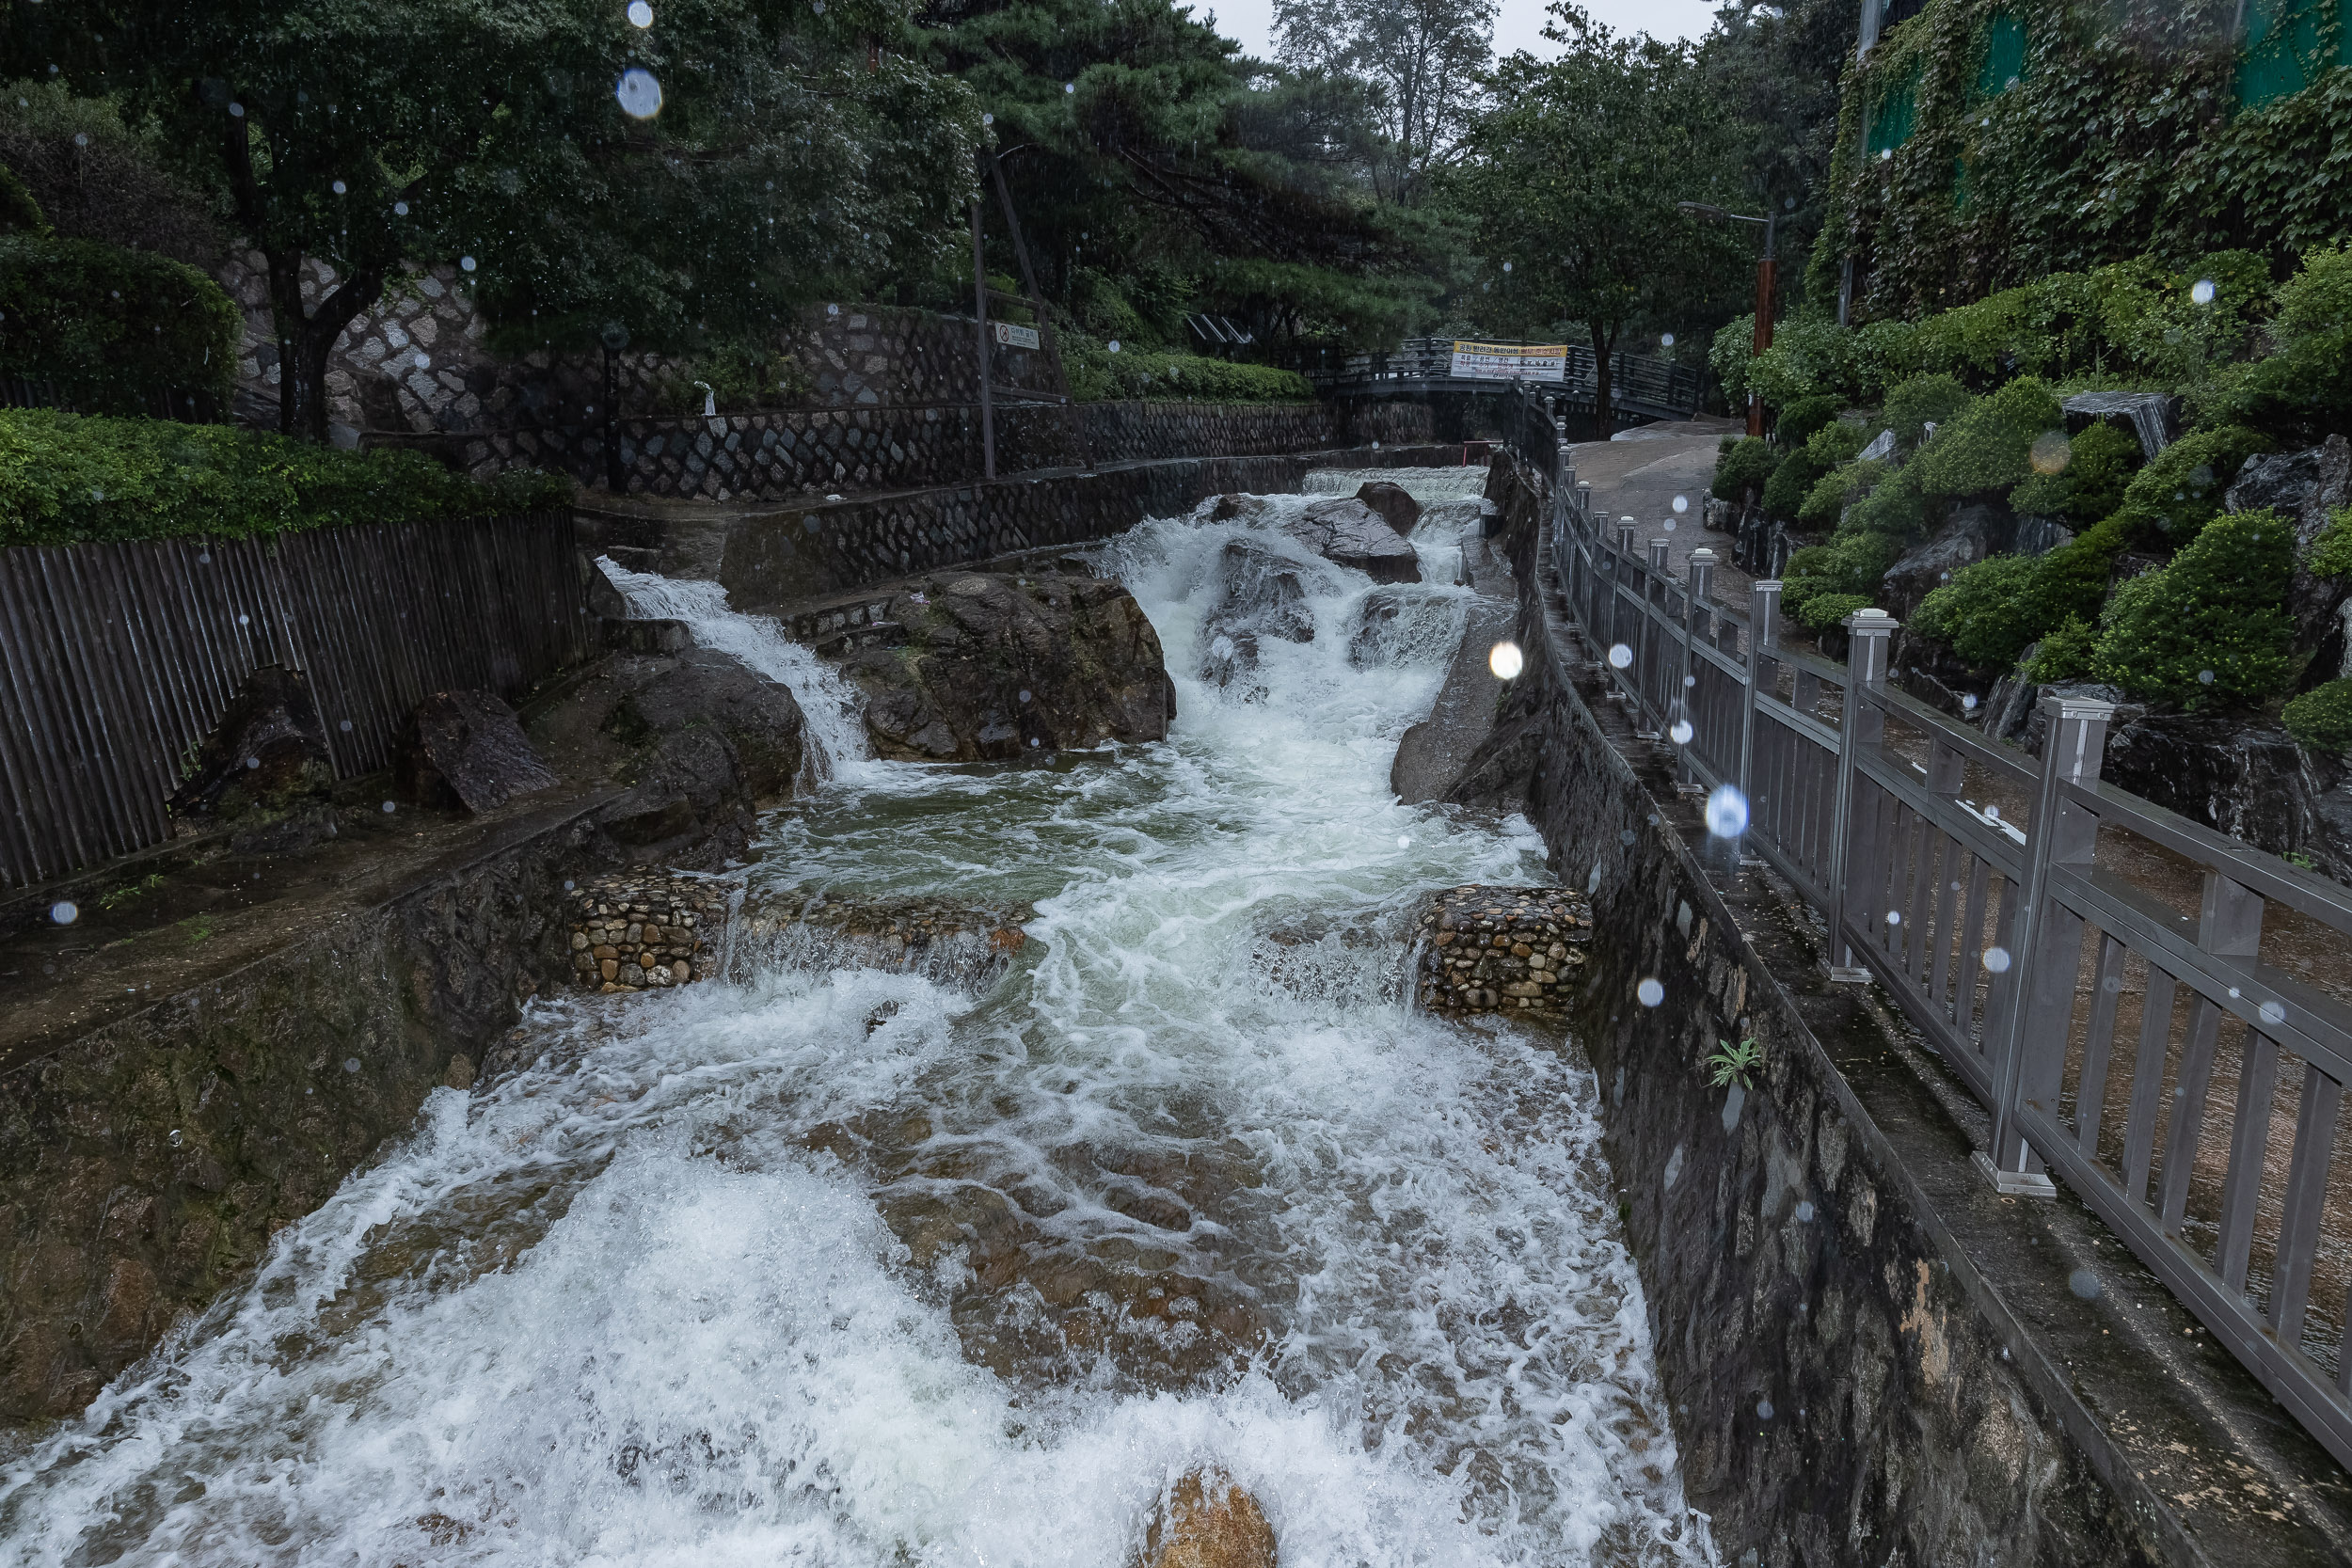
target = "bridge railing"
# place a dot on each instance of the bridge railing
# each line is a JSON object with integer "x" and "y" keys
{"x": 2154, "y": 1012}
{"x": 1635, "y": 380}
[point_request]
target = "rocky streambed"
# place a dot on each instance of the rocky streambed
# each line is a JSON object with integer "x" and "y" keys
{"x": 1051, "y": 1128}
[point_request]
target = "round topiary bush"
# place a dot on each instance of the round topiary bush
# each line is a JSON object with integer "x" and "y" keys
{"x": 1746, "y": 466}
{"x": 2322, "y": 717}
{"x": 2210, "y": 627}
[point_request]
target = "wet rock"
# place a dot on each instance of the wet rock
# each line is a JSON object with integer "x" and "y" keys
{"x": 1502, "y": 949}
{"x": 1258, "y": 596}
{"x": 1208, "y": 1521}
{"x": 1225, "y": 509}
{"x": 2013, "y": 708}
{"x": 2249, "y": 781}
{"x": 465, "y": 750}
{"x": 700, "y": 742}
{"x": 266, "y": 759}
{"x": 968, "y": 947}
{"x": 1346, "y": 532}
{"x": 2305, "y": 487}
{"x": 1971, "y": 534}
{"x": 997, "y": 665}
{"x": 1399, "y": 510}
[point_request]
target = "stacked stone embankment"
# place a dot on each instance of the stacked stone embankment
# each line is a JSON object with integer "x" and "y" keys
{"x": 647, "y": 932}
{"x": 1502, "y": 949}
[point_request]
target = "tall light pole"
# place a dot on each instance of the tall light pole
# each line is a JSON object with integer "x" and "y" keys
{"x": 1766, "y": 275}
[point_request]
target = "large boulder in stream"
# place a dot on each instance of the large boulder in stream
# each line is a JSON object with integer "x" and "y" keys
{"x": 1208, "y": 1521}
{"x": 1346, "y": 532}
{"x": 699, "y": 742}
{"x": 1343, "y": 530}
{"x": 986, "y": 666}
{"x": 1395, "y": 504}
{"x": 1258, "y": 596}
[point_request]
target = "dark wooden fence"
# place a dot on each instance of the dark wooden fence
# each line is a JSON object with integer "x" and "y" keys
{"x": 116, "y": 659}
{"x": 161, "y": 403}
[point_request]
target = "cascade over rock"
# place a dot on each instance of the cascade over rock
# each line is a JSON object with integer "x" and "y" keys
{"x": 1208, "y": 1521}
{"x": 1259, "y": 595}
{"x": 993, "y": 665}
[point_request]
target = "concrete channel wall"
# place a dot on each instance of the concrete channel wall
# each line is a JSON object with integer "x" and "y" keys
{"x": 1870, "y": 1357}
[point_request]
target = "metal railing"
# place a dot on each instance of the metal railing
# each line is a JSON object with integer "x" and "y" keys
{"x": 1638, "y": 383}
{"x": 2175, "y": 1075}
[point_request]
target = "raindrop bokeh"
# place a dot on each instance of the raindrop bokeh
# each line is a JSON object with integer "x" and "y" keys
{"x": 639, "y": 92}
{"x": 1505, "y": 660}
{"x": 1650, "y": 993}
{"x": 1726, "y": 812}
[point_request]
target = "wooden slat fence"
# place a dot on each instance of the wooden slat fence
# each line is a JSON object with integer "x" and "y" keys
{"x": 116, "y": 660}
{"x": 2174, "y": 1067}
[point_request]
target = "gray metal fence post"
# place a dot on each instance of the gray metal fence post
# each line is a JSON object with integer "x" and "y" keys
{"x": 1620, "y": 569}
{"x": 2032, "y": 1062}
{"x": 1695, "y": 606}
{"x": 1869, "y": 632}
{"x": 1650, "y": 668}
{"x": 1762, "y": 674}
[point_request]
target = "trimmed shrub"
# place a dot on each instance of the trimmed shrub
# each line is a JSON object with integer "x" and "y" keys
{"x": 1801, "y": 420}
{"x": 1923, "y": 400}
{"x": 1097, "y": 374}
{"x": 2172, "y": 497}
{"x": 1747, "y": 466}
{"x": 111, "y": 326}
{"x": 1811, "y": 356}
{"x": 2322, "y": 717}
{"x": 68, "y": 478}
{"x": 1990, "y": 447}
{"x": 2332, "y": 552}
{"x": 2210, "y": 627}
{"x": 1989, "y": 613}
{"x": 1825, "y": 503}
{"x": 1895, "y": 509}
{"x": 2303, "y": 393}
{"x": 1825, "y": 611}
{"x": 2064, "y": 654}
{"x": 19, "y": 212}
{"x": 742, "y": 377}
{"x": 1830, "y": 446}
{"x": 1849, "y": 566}
{"x": 2099, "y": 465}
{"x": 2317, "y": 299}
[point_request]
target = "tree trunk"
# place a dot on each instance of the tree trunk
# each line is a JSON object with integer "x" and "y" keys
{"x": 1603, "y": 344}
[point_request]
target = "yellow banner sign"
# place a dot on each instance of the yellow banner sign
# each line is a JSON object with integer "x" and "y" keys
{"x": 1511, "y": 361}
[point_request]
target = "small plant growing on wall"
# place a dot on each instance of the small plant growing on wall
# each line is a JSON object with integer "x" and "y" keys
{"x": 1732, "y": 1064}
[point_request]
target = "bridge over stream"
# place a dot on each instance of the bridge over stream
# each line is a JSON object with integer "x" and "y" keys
{"x": 1640, "y": 387}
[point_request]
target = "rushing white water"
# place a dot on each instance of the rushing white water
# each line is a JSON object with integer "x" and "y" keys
{"x": 833, "y": 736}
{"x": 849, "y": 1269}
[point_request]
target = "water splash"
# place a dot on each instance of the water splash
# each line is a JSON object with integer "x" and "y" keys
{"x": 833, "y": 736}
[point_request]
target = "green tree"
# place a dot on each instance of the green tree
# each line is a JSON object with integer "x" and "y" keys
{"x": 1573, "y": 183}
{"x": 1156, "y": 172}
{"x": 1775, "y": 66}
{"x": 580, "y": 165}
{"x": 1424, "y": 62}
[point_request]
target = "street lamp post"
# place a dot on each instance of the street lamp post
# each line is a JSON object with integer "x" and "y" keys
{"x": 1767, "y": 273}
{"x": 614, "y": 338}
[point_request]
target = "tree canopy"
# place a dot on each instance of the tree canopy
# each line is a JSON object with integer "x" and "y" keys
{"x": 1575, "y": 177}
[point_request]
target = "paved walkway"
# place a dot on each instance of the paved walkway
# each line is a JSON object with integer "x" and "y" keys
{"x": 1640, "y": 474}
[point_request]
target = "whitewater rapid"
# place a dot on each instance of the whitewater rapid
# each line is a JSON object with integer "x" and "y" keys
{"x": 849, "y": 1269}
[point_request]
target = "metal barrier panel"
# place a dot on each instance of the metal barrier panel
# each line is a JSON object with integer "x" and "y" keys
{"x": 2163, "y": 1064}
{"x": 120, "y": 659}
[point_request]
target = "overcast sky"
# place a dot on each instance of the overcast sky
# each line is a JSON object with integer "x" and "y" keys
{"x": 1520, "y": 25}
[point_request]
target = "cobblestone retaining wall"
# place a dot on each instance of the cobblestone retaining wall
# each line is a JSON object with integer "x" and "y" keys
{"x": 795, "y": 553}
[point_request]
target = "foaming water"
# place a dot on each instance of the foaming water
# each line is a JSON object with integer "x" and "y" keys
{"x": 851, "y": 1268}
{"x": 834, "y": 736}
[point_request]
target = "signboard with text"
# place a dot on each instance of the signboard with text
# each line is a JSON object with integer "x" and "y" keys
{"x": 1511, "y": 361}
{"x": 1011, "y": 335}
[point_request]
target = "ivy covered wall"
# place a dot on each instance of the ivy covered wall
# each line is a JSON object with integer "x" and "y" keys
{"x": 1985, "y": 142}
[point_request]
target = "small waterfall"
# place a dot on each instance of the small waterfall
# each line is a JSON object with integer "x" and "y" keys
{"x": 834, "y": 708}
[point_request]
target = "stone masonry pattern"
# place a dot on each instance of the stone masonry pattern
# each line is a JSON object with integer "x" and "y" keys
{"x": 639, "y": 932}
{"x": 1502, "y": 949}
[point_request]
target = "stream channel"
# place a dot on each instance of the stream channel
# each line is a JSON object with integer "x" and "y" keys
{"x": 851, "y": 1268}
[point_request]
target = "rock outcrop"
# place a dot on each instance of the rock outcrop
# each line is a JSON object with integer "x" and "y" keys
{"x": 702, "y": 743}
{"x": 1397, "y": 508}
{"x": 465, "y": 751}
{"x": 2249, "y": 781}
{"x": 1258, "y": 596}
{"x": 986, "y": 666}
{"x": 1502, "y": 949}
{"x": 1348, "y": 533}
{"x": 1208, "y": 1521}
{"x": 2306, "y": 487}
{"x": 1972, "y": 533}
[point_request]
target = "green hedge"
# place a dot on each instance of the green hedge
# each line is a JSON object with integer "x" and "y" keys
{"x": 2332, "y": 552}
{"x": 1098, "y": 376}
{"x": 2210, "y": 627}
{"x": 110, "y": 326}
{"x": 2322, "y": 717}
{"x": 68, "y": 478}
{"x": 1744, "y": 465}
{"x": 2088, "y": 481}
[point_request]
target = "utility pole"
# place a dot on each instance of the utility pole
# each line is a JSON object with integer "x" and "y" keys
{"x": 1767, "y": 280}
{"x": 979, "y": 308}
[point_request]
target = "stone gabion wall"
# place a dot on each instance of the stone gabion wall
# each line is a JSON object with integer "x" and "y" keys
{"x": 791, "y": 554}
{"x": 645, "y": 932}
{"x": 804, "y": 452}
{"x": 1502, "y": 949}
